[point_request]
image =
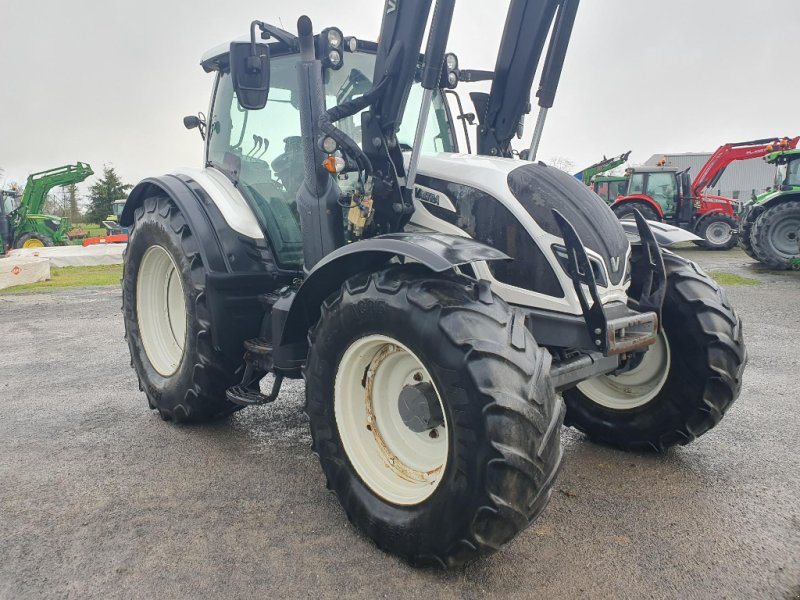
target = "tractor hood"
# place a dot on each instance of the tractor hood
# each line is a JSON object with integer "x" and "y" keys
{"x": 537, "y": 189}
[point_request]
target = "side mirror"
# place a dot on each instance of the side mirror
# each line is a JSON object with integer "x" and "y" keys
{"x": 196, "y": 122}
{"x": 250, "y": 73}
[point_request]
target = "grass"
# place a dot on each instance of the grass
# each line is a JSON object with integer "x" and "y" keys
{"x": 731, "y": 279}
{"x": 61, "y": 277}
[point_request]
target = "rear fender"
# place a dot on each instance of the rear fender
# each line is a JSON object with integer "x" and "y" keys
{"x": 778, "y": 199}
{"x": 623, "y": 200}
{"x": 238, "y": 268}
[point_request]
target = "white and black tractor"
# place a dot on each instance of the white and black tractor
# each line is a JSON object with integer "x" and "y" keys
{"x": 445, "y": 310}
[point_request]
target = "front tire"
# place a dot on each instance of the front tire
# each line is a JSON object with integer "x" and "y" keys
{"x": 167, "y": 322}
{"x": 685, "y": 382}
{"x": 746, "y": 233}
{"x": 718, "y": 232}
{"x": 478, "y": 474}
{"x": 776, "y": 236}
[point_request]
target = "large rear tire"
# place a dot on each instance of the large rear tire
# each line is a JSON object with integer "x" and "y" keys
{"x": 685, "y": 382}
{"x": 438, "y": 495}
{"x": 625, "y": 210}
{"x": 167, "y": 322}
{"x": 33, "y": 240}
{"x": 776, "y": 236}
{"x": 718, "y": 231}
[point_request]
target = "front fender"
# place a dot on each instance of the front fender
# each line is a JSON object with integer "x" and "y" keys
{"x": 666, "y": 235}
{"x": 438, "y": 252}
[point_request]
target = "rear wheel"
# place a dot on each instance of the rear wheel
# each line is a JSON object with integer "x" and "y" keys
{"x": 626, "y": 209}
{"x": 432, "y": 413}
{"x": 718, "y": 232}
{"x": 685, "y": 382}
{"x": 167, "y": 323}
{"x": 33, "y": 240}
{"x": 776, "y": 236}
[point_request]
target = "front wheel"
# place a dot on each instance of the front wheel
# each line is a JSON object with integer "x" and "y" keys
{"x": 746, "y": 233}
{"x": 718, "y": 232}
{"x": 432, "y": 413}
{"x": 684, "y": 383}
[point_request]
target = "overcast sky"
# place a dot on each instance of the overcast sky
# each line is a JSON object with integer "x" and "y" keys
{"x": 109, "y": 81}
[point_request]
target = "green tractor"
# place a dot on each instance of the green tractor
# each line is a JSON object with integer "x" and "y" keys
{"x": 22, "y": 224}
{"x": 770, "y": 230}
{"x": 608, "y": 187}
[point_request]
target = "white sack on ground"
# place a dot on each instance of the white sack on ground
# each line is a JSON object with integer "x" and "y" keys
{"x": 25, "y": 269}
{"x": 76, "y": 256}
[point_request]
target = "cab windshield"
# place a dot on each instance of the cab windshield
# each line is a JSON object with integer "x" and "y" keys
{"x": 265, "y": 147}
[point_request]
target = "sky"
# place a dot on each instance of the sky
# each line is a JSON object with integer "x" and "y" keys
{"x": 108, "y": 82}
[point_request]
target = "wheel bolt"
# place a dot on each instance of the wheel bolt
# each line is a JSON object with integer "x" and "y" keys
{"x": 433, "y": 434}
{"x": 417, "y": 376}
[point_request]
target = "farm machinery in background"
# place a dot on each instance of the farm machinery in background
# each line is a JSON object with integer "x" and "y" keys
{"x": 115, "y": 233}
{"x": 608, "y": 187}
{"x": 22, "y": 224}
{"x": 438, "y": 305}
{"x": 668, "y": 195}
{"x": 770, "y": 231}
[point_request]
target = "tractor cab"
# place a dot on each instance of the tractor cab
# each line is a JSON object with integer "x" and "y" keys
{"x": 8, "y": 204}
{"x": 262, "y": 150}
{"x": 665, "y": 187}
{"x": 787, "y": 174}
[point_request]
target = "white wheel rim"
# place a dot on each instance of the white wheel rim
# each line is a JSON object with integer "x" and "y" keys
{"x": 161, "y": 310}
{"x": 785, "y": 237}
{"x": 400, "y": 465}
{"x": 719, "y": 233}
{"x": 635, "y": 388}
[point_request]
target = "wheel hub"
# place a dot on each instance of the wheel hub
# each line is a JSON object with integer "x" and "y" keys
{"x": 419, "y": 407}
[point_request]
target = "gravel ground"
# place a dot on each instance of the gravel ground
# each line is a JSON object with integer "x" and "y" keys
{"x": 99, "y": 498}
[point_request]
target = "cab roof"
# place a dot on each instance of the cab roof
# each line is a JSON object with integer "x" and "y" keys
{"x": 217, "y": 58}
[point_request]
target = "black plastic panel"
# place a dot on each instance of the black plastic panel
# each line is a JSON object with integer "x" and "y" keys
{"x": 485, "y": 219}
{"x": 540, "y": 189}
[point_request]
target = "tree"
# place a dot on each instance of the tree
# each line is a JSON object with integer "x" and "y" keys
{"x": 69, "y": 200}
{"x": 562, "y": 163}
{"x": 102, "y": 194}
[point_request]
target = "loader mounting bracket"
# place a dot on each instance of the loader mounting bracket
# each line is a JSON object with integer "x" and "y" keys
{"x": 613, "y": 330}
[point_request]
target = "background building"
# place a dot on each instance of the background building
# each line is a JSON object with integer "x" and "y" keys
{"x": 737, "y": 182}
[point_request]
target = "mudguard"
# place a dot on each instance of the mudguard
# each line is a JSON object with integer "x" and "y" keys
{"x": 238, "y": 268}
{"x": 438, "y": 252}
{"x": 666, "y": 235}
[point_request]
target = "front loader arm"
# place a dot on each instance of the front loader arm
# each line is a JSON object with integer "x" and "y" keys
{"x": 527, "y": 26}
{"x": 39, "y": 185}
{"x": 711, "y": 172}
{"x": 603, "y": 166}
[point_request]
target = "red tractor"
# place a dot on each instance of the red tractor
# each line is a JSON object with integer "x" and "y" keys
{"x": 668, "y": 195}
